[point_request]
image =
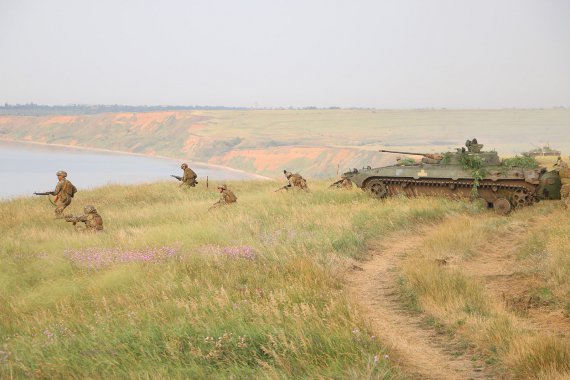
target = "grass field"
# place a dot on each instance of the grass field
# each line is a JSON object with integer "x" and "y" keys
{"x": 256, "y": 289}
{"x": 171, "y": 290}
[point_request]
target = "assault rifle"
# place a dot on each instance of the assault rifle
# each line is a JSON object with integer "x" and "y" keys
{"x": 180, "y": 179}
{"x": 286, "y": 187}
{"x": 46, "y": 193}
{"x": 337, "y": 183}
{"x": 70, "y": 218}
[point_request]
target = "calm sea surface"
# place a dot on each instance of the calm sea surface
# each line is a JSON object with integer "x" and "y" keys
{"x": 25, "y": 168}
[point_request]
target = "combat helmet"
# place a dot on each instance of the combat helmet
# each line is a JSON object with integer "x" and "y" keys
{"x": 61, "y": 172}
{"x": 223, "y": 187}
{"x": 183, "y": 166}
{"x": 287, "y": 174}
{"x": 89, "y": 209}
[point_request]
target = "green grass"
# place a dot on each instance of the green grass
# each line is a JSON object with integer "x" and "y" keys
{"x": 199, "y": 313}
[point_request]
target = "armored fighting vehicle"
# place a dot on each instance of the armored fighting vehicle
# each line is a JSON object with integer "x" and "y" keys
{"x": 467, "y": 173}
{"x": 542, "y": 151}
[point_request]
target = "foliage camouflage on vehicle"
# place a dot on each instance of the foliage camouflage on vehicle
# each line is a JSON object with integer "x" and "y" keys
{"x": 467, "y": 173}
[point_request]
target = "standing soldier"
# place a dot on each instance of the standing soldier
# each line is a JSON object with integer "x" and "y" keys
{"x": 226, "y": 197}
{"x": 93, "y": 221}
{"x": 564, "y": 172}
{"x": 64, "y": 192}
{"x": 296, "y": 181}
{"x": 189, "y": 177}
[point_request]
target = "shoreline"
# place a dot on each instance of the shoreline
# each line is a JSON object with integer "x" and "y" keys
{"x": 103, "y": 150}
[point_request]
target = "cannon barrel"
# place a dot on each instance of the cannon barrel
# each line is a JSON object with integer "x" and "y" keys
{"x": 432, "y": 156}
{"x": 395, "y": 151}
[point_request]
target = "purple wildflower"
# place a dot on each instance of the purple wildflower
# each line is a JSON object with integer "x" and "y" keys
{"x": 236, "y": 252}
{"x": 50, "y": 335}
{"x": 94, "y": 258}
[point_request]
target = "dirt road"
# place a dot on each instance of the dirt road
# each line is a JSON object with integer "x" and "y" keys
{"x": 421, "y": 351}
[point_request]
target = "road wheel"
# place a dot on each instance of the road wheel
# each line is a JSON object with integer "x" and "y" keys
{"x": 377, "y": 188}
{"x": 482, "y": 202}
{"x": 502, "y": 206}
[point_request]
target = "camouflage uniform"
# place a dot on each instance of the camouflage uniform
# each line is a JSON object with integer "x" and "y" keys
{"x": 343, "y": 183}
{"x": 64, "y": 192}
{"x": 93, "y": 221}
{"x": 565, "y": 195}
{"x": 189, "y": 177}
{"x": 564, "y": 172}
{"x": 346, "y": 184}
{"x": 226, "y": 197}
{"x": 296, "y": 181}
{"x": 560, "y": 164}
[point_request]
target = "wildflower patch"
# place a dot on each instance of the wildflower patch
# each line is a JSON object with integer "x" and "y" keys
{"x": 236, "y": 252}
{"x": 95, "y": 258}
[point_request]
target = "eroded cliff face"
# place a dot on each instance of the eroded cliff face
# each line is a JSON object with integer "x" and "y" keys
{"x": 221, "y": 138}
{"x": 316, "y": 143}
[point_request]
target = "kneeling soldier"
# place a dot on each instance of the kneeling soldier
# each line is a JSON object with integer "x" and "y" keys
{"x": 226, "y": 197}
{"x": 93, "y": 221}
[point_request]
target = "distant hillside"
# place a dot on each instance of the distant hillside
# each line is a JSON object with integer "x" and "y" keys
{"x": 32, "y": 109}
{"x": 317, "y": 143}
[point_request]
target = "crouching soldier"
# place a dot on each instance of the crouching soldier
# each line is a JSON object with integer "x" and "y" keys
{"x": 93, "y": 221}
{"x": 296, "y": 181}
{"x": 226, "y": 197}
{"x": 343, "y": 183}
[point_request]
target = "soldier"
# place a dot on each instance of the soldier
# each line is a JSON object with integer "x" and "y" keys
{"x": 189, "y": 177}
{"x": 346, "y": 184}
{"x": 226, "y": 197}
{"x": 296, "y": 181}
{"x": 473, "y": 146}
{"x": 560, "y": 164}
{"x": 564, "y": 173}
{"x": 93, "y": 221}
{"x": 343, "y": 183}
{"x": 64, "y": 192}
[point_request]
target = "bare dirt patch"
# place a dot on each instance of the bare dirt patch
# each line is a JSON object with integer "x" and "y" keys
{"x": 514, "y": 282}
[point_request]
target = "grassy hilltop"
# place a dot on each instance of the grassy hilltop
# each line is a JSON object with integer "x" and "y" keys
{"x": 314, "y": 142}
{"x": 259, "y": 289}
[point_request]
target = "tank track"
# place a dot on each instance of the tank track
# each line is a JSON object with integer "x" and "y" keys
{"x": 452, "y": 184}
{"x": 514, "y": 194}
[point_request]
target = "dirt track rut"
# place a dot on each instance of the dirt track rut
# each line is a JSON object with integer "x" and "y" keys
{"x": 422, "y": 352}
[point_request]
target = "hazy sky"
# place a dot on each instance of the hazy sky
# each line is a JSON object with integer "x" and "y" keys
{"x": 269, "y": 53}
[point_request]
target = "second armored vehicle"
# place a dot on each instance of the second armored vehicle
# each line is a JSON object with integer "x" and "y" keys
{"x": 542, "y": 151}
{"x": 467, "y": 173}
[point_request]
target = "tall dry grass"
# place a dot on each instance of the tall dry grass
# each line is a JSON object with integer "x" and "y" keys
{"x": 459, "y": 298}
{"x": 170, "y": 290}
